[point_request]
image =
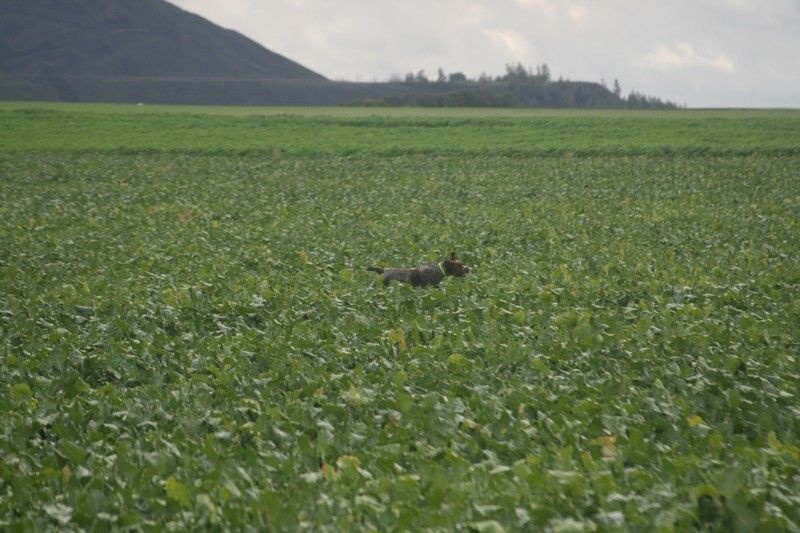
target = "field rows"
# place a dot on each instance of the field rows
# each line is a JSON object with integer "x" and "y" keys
{"x": 59, "y": 128}
{"x": 192, "y": 341}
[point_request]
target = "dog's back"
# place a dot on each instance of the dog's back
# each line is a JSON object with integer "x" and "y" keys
{"x": 427, "y": 274}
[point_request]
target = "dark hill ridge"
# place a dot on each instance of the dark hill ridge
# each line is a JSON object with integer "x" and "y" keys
{"x": 150, "y": 51}
{"x": 132, "y": 38}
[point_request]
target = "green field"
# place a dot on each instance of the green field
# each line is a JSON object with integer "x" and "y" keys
{"x": 394, "y": 132}
{"x": 190, "y": 338}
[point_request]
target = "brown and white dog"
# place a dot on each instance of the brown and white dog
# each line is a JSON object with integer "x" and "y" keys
{"x": 428, "y": 274}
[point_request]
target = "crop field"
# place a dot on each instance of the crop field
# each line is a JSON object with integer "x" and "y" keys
{"x": 189, "y": 338}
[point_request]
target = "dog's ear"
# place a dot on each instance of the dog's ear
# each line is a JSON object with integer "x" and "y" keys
{"x": 453, "y": 256}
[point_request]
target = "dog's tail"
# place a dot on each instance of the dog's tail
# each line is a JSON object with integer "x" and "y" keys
{"x": 375, "y": 269}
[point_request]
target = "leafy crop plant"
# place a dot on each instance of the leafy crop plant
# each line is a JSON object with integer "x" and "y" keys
{"x": 190, "y": 340}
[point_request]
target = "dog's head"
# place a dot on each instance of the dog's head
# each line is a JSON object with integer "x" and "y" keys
{"x": 453, "y": 266}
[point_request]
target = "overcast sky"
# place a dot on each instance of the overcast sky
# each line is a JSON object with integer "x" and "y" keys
{"x": 703, "y": 53}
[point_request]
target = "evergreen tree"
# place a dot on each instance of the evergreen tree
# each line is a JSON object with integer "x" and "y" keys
{"x": 543, "y": 72}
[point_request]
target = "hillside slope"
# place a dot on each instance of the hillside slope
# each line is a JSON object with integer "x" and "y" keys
{"x": 131, "y": 38}
{"x": 150, "y": 51}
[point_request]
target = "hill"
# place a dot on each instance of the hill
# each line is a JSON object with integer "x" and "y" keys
{"x": 150, "y": 51}
{"x": 131, "y": 38}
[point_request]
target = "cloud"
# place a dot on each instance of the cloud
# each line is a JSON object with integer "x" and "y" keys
{"x": 547, "y": 6}
{"x": 512, "y": 41}
{"x": 739, "y": 52}
{"x": 578, "y": 15}
{"x": 683, "y": 55}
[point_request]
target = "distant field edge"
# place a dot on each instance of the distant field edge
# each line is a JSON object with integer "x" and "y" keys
{"x": 397, "y": 111}
{"x": 305, "y": 131}
{"x": 279, "y": 152}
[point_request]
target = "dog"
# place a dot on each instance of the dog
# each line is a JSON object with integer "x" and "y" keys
{"x": 428, "y": 274}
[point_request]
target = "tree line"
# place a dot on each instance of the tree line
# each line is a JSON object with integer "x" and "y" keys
{"x": 519, "y": 87}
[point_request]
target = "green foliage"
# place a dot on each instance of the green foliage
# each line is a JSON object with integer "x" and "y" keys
{"x": 191, "y": 340}
{"x": 394, "y": 132}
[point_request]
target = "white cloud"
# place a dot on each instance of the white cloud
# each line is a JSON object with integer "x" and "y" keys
{"x": 578, "y": 15}
{"x": 512, "y": 41}
{"x": 637, "y": 42}
{"x": 683, "y": 55}
{"x": 547, "y": 6}
{"x": 575, "y": 13}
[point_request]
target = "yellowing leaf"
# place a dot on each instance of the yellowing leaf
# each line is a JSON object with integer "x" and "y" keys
{"x": 66, "y": 474}
{"x": 470, "y": 424}
{"x": 400, "y": 377}
{"x": 694, "y": 420}
{"x": 457, "y": 359}
{"x": 608, "y": 445}
{"x": 175, "y": 297}
{"x": 348, "y": 461}
{"x": 329, "y": 473}
{"x": 20, "y": 391}
{"x": 177, "y": 492}
{"x": 397, "y": 337}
